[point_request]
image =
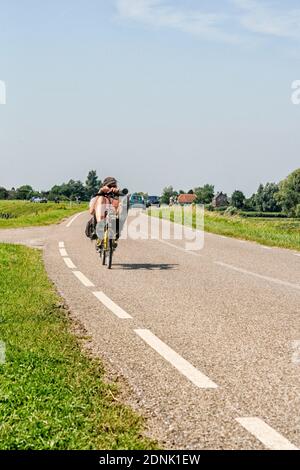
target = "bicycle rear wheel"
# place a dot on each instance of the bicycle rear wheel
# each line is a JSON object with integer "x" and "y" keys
{"x": 110, "y": 254}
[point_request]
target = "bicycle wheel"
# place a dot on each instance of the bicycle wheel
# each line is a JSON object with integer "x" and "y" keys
{"x": 110, "y": 254}
{"x": 105, "y": 247}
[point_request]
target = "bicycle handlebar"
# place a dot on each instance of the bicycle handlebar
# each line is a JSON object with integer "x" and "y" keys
{"x": 112, "y": 195}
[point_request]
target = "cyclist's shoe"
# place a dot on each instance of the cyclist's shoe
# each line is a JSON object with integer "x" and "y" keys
{"x": 98, "y": 245}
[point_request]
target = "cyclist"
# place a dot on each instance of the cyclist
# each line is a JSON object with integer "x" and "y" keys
{"x": 107, "y": 198}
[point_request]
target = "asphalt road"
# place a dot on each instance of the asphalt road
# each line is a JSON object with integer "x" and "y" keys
{"x": 206, "y": 343}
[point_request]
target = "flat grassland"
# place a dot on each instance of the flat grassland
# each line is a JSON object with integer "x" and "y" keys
{"x": 15, "y": 214}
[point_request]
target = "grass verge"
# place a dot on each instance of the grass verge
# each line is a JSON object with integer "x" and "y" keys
{"x": 15, "y": 214}
{"x": 51, "y": 395}
{"x": 283, "y": 233}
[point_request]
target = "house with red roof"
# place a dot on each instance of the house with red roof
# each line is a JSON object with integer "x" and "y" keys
{"x": 185, "y": 199}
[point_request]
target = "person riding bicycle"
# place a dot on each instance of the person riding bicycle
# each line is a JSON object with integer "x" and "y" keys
{"x": 106, "y": 199}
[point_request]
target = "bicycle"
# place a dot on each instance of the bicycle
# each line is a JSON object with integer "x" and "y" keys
{"x": 107, "y": 245}
{"x": 107, "y": 242}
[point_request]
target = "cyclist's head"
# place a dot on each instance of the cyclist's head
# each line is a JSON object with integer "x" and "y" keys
{"x": 110, "y": 181}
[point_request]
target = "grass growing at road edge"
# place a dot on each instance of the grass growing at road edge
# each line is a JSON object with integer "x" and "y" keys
{"x": 51, "y": 395}
{"x": 283, "y": 233}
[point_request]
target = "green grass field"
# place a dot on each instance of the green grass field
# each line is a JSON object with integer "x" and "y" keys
{"x": 26, "y": 214}
{"x": 284, "y": 233}
{"x": 51, "y": 395}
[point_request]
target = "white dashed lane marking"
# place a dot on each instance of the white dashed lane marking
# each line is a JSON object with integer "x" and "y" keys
{"x": 69, "y": 263}
{"x": 112, "y": 306}
{"x": 63, "y": 252}
{"x": 183, "y": 366}
{"x": 270, "y": 438}
{"x": 83, "y": 279}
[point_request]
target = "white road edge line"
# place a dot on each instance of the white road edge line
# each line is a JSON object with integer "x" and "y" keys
{"x": 61, "y": 244}
{"x": 260, "y": 276}
{"x": 69, "y": 263}
{"x": 63, "y": 252}
{"x": 265, "y": 434}
{"x": 72, "y": 220}
{"x": 112, "y": 306}
{"x": 183, "y": 366}
{"x": 188, "y": 252}
{"x": 83, "y": 279}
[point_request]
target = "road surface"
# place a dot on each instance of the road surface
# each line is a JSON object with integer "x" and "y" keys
{"x": 206, "y": 343}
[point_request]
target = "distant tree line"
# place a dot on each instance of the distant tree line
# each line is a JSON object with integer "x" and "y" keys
{"x": 71, "y": 191}
{"x": 272, "y": 197}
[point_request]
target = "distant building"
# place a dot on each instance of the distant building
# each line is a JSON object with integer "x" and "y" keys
{"x": 220, "y": 200}
{"x": 186, "y": 198}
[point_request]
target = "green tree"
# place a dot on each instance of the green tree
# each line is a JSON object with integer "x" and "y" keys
{"x": 167, "y": 193}
{"x": 77, "y": 190}
{"x": 70, "y": 191}
{"x": 270, "y": 202}
{"x": 205, "y": 194}
{"x": 24, "y": 192}
{"x": 288, "y": 195}
{"x": 259, "y": 198}
{"x": 238, "y": 199}
{"x": 3, "y": 193}
{"x": 266, "y": 198}
{"x": 92, "y": 184}
{"x": 250, "y": 203}
{"x": 12, "y": 194}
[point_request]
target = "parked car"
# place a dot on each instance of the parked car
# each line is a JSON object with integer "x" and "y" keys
{"x": 137, "y": 201}
{"x": 42, "y": 200}
{"x": 153, "y": 201}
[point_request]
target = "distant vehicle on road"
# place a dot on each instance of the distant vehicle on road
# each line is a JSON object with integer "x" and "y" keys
{"x": 41, "y": 200}
{"x": 137, "y": 201}
{"x": 153, "y": 201}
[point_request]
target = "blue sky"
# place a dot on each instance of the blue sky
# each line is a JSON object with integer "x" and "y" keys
{"x": 156, "y": 92}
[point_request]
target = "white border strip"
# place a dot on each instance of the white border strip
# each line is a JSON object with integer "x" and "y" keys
{"x": 74, "y": 218}
{"x": 265, "y": 434}
{"x": 61, "y": 244}
{"x": 260, "y": 276}
{"x": 63, "y": 252}
{"x": 112, "y": 306}
{"x": 189, "y": 252}
{"x": 183, "y": 366}
{"x": 83, "y": 279}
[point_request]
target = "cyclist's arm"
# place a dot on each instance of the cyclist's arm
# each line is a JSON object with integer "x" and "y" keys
{"x": 92, "y": 206}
